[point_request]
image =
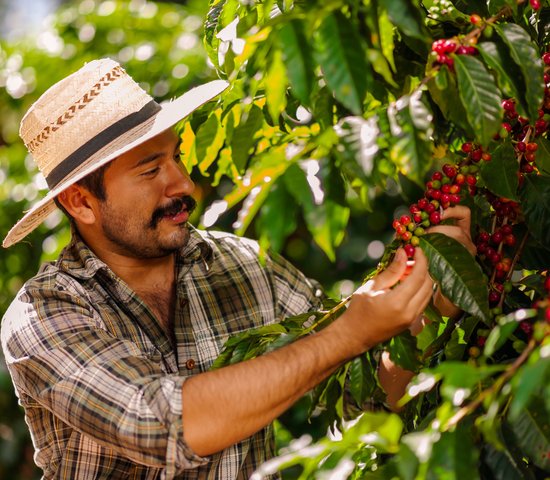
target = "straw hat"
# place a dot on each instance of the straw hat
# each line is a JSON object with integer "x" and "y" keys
{"x": 88, "y": 119}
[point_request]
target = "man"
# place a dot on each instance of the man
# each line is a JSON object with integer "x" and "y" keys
{"x": 109, "y": 347}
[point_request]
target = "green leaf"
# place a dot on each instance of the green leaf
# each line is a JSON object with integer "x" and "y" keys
{"x": 243, "y": 137}
{"x": 497, "y": 57}
{"x": 526, "y": 55}
{"x": 443, "y": 90}
{"x": 209, "y": 140}
{"x": 501, "y": 332}
{"x": 454, "y": 456}
{"x": 272, "y": 227}
{"x": 455, "y": 347}
{"x": 327, "y": 223}
{"x": 462, "y": 376}
{"x": 406, "y": 16}
{"x": 458, "y": 274}
{"x": 532, "y": 432}
{"x": 535, "y": 201}
{"x": 480, "y": 97}
{"x": 503, "y": 465}
{"x": 362, "y": 380}
{"x": 342, "y": 60}
{"x": 326, "y": 220}
{"x": 404, "y": 352}
{"x": 297, "y": 59}
{"x": 528, "y": 381}
{"x": 501, "y": 173}
{"x": 357, "y": 147}
{"x": 211, "y": 28}
{"x": 411, "y": 125}
{"x": 275, "y": 86}
{"x": 381, "y": 66}
{"x": 543, "y": 155}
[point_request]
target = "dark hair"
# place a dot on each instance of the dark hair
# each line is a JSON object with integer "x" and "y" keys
{"x": 94, "y": 183}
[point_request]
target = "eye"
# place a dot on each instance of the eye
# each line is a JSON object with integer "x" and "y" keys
{"x": 177, "y": 157}
{"x": 150, "y": 173}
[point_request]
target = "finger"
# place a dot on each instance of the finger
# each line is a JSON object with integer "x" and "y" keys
{"x": 461, "y": 214}
{"x": 458, "y": 234}
{"x": 417, "y": 289}
{"x": 392, "y": 274}
{"x": 421, "y": 298}
{"x": 416, "y": 276}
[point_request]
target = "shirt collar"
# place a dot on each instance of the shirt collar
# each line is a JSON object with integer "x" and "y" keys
{"x": 79, "y": 260}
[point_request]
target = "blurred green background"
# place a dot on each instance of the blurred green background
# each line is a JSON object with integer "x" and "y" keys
{"x": 160, "y": 45}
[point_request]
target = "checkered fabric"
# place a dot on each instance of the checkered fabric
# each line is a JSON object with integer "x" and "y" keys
{"x": 101, "y": 381}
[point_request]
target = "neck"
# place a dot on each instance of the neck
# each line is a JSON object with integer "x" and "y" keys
{"x": 141, "y": 274}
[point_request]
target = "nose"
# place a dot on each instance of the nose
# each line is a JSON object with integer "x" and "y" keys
{"x": 179, "y": 182}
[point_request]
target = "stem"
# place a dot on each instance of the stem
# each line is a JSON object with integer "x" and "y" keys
{"x": 328, "y": 315}
{"x": 499, "y": 382}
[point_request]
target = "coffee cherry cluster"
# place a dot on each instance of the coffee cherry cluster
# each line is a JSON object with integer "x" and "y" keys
{"x": 445, "y": 47}
{"x": 443, "y": 190}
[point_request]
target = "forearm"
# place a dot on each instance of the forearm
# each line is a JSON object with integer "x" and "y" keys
{"x": 224, "y": 406}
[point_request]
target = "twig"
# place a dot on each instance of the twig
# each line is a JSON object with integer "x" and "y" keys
{"x": 499, "y": 382}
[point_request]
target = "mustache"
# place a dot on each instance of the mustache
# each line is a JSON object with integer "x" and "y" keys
{"x": 173, "y": 208}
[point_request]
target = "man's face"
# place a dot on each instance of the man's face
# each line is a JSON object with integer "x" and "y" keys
{"x": 148, "y": 202}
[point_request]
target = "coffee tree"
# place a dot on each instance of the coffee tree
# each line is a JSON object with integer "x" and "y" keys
{"x": 330, "y": 101}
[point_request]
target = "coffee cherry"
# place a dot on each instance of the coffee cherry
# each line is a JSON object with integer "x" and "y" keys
{"x": 496, "y": 238}
{"x": 423, "y": 203}
{"x": 467, "y": 147}
{"x": 486, "y": 156}
{"x": 510, "y": 240}
{"x": 506, "y": 229}
{"x": 484, "y": 237}
{"x": 435, "y": 218}
{"x": 494, "y": 298}
{"x": 475, "y": 19}
{"x": 449, "y": 170}
{"x": 471, "y": 180}
{"x": 409, "y": 250}
{"x": 474, "y": 352}
{"x": 476, "y": 155}
{"x": 509, "y": 105}
{"x": 405, "y": 220}
{"x": 535, "y": 4}
{"x": 546, "y": 58}
{"x": 531, "y": 147}
{"x": 529, "y": 156}
{"x": 460, "y": 179}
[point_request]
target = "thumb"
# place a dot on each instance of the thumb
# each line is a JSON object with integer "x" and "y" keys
{"x": 395, "y": 271}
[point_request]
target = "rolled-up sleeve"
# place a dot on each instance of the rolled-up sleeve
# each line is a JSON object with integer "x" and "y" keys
{"x": 104, "y": 387}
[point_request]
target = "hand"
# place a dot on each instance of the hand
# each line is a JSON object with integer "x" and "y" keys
{"x": 377, "y": 311}
{"x": 460, "y": 231}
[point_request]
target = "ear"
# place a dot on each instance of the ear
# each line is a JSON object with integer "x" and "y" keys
{"x": 79, "y": 203}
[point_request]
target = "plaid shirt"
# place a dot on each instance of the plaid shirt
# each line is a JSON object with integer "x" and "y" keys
{"x": 99, "y": 379}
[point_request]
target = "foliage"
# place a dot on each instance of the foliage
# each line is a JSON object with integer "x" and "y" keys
{"x": 332, "y": 104}
{"x": 341, "y": 99}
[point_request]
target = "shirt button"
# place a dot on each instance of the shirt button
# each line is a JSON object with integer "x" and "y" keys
{"x": 190, "y": 364}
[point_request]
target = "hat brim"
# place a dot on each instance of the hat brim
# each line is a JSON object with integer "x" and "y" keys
{"x": 170, "y": 114}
